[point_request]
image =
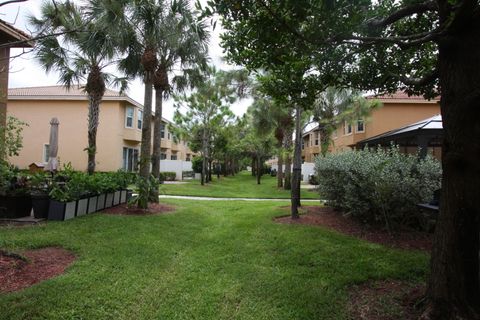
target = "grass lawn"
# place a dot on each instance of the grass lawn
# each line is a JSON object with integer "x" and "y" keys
{"x": 242, "y": 185}
{"x": 208, "y": 260}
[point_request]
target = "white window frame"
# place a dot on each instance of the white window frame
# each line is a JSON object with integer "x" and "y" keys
{"x": 363, "y": 122}
{"x": 127, "y": 117}
{"x": 345, "y": 126}
{"x": 139, "y": 119}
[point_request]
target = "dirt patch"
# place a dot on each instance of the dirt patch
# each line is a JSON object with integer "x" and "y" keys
{"x": 324, "y": 216}
{"x": 385, "y": 300}
{"x": 153, "y": 208}
{"x": 33, "y": 266}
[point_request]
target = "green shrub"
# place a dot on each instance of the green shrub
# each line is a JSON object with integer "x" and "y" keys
{"x": 167, "y": 176}
{"x": 197, "y": 164}
{"x": 381, "y": 186}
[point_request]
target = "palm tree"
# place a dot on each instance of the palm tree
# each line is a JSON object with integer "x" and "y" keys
{"x": 334, "y": 106}
{"x": 77, "y": 56}
{"x": 181, "y": 52}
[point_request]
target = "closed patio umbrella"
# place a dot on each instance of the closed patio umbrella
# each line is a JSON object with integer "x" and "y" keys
{"x": 52, "y": 164}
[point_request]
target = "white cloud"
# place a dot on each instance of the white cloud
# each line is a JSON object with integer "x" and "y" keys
{"x": 26, "y": 72}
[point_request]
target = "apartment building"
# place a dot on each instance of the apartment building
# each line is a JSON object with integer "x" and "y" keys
{"x": 398, "y": 110}
{"x": 118, "y": 137}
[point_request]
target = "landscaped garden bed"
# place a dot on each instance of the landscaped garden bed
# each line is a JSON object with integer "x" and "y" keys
{"x": 32, "y": 266}
{"x": 327, "y": 217}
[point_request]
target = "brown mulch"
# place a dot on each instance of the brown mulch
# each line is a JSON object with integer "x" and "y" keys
{"x": 153, "y": 208}
{"x": 327, "y": 217}
{"x": 385, "y": 300}
{"x": 33, "y": 266}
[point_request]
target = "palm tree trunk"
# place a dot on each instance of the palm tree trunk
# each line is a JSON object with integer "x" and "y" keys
{"x": 157, "y": 131}
{"x": 259, "y": 169}
{"x": 93, "y": 119}
{"x": 280, "y": 170}
{"x": 145, "y": 150}
{"x": 297, "y": 164}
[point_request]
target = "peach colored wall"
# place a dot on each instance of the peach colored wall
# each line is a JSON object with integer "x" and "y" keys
{"x": 392, "y": 115}
{"x": 112, "y": 134}
{"x": 72, "y": 116}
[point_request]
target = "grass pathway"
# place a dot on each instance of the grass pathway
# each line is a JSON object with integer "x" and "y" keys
{"x": 208, "y": 260}
{"x": 242, "y": 185}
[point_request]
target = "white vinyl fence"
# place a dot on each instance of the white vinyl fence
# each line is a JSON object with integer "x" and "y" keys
{"x": 308, "y": 168}
{"x": 176, "y": 166}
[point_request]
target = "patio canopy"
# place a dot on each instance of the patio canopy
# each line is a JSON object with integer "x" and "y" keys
{"x": 423, "y": 134}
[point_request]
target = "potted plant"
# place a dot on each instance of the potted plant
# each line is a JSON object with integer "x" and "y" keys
{"x": 15, "y": 200}
{"x": 63, "y": 203}
{"x": 110, "y": 188}
{"x": 93, "y": 188}
{"x": 39, "y": 190}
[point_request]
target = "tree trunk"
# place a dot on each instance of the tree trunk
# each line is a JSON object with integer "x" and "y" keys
{"x": 454, "y": 285}
{"x": 145, "y": 150}
{"x": 288, "y": 162}
{"x": 259, "y": 169}
{"x": 210, "y": 161}
{"x": 93, "y": 116}
{"x": 280, "y": 170}
{"x": 297, "y": 164}
{"x": 157, "y": 131}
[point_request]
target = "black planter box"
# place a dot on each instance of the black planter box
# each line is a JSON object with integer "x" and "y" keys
{"x": 109, "y": 200}
{"x": 129, "y": 194}
{"x": 123, "y": 196}
{"x": 116, "y": 198}
{"x": 101, "y": 202}
{"x": 40, "y": 206}
{"x": 60, "y": 211}
{"x": 15, "y": 206}
{"x": 92, "y": 204}
{"x": 82, "y": 206}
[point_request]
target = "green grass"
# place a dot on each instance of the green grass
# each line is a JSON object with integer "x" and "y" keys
{"x": 242, "y": 185}
{"x": 208, "y": 260}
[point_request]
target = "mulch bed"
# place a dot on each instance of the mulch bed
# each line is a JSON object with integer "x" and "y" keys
{"x": 33, "y": 266}
{"x": 324, "y": 216}
{"x": 385, "y": 300}
{"x": 153, "y": 208}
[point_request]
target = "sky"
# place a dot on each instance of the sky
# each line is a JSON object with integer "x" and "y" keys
{"x": 26, "y": 72}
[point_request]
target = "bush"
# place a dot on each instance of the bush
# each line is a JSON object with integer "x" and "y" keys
{"x": 167, "y": 176}
{"x": 381, "y": 186}
{"x": 197, "y": 164}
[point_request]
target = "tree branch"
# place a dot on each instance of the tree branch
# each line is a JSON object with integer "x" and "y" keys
{"x": 14, "y": 43}
{"x": 10, "y": 2}
{"x": 426, "y": 79}
{"x": 417, "y": 8}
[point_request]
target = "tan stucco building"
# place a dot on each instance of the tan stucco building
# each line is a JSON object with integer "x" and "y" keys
{"x": 118, "y": 137}
{"x": 398, "y": 110}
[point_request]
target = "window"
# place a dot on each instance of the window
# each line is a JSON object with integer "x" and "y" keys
{"x": 173, "y": 157}
{"x": 139, "y": 119}
{"x": 188, "y": 157}
{"x": 129, "y": 117}
{"x": 163, "y": 156}
{"x": 303, "y": 144}
{"x": 317, "y": 138}
{"x": 360, "y": 126}
{"x": 348, "y": 128}
{"x": 46, "y": 151}
{"x": 162, "y": 131}
{"x": 169, "y": 136}
{"x": 130, "y": 159}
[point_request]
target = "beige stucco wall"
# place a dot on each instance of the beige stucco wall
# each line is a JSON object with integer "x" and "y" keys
{"x": 72, "y": 116}
{"x": 393, "y": 115}
{"x": 112, "y": 134}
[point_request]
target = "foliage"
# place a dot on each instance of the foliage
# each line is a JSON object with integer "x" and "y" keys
{"x": 11, "y": 141}
{"x": 378, "y": 186}
{"x": 147, "y": 192}
{"x": 167, "y": 176}
{"x": 12, "y": 181}
{"x": 197, "y": 164}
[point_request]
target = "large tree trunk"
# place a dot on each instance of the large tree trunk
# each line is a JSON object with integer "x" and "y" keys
{"x": 157, "y": 131}
{"x": 259, "y": 169}
{"x": 145, "y": 150}
{"x": 4, "y": 69}
{"x": 280, "y": 170}
{"x": 454, "y": 286}
{"x": 288, "y": 162}
{"x": 297, "y": 164}
{"x": 95, "y": 89}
